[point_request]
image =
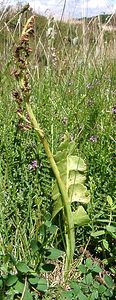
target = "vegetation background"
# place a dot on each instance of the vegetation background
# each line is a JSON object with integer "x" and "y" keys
{"x": 72, "y": 77}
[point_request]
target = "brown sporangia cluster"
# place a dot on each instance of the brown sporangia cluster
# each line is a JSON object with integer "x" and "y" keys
{"x": 21, "y": 55}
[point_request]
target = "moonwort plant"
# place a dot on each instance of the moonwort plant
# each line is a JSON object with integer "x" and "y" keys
{"x": 67, "y": 168}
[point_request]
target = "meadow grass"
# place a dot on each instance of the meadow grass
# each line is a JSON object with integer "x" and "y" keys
{"x": 74, "y": 92}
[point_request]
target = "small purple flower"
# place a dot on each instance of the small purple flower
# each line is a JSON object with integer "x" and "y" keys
{"x": 93, "y": 138}
{"x": 114, "y": 109}
{"x": 33, "y": 165}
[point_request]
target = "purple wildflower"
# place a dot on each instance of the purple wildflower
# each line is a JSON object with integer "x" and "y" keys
{"x": 33, "y": 165}
{"x": 93, "y": 138}
{"x": 114, "y": 109}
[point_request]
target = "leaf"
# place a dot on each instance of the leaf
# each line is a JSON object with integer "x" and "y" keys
{"x": 27, "y": 295}
{"x": 11, "y": 280}
{"x": 33, "y": 280}
{"x": 76, "y": 177}
{"x": 67, "y": 295}
{"x": 89, "y": 279}
{"x": 53, "y": 253}
{"x": 110, "y": 228}
{"x": 78, "y": 192}
{"x": 19, "y": 287}
{"x": 98, "y": 233}
{"x": 35, "y": 245}
{"x": 109, "y": 200}
{"x": 82, "y": 296}
{"x": 47, "y": 268}
{"x": 1, "y": 283}
{"x": 53, "y": 229}
{"x": 12, "y": 258}
{"x": 80, "y": 216}
{"x": 94, "y": 295}
{"x": 76, "y": 163}
{"x": 22, "y": 267}
{"x": 108, "y": 293}
{"x": 102, "y": 289}
{"x": 75, "y": 286}
{"x": 96, "y": 269}
{"x": 105, "y": 244}
{"x": 42, "y": 285}
{"x": 108, "y": 280}
{"x": 57, "y": 206}
{"x": 89, "y": 263}
{"x": 82, "y": 269}
{"x": 71, "y": 170}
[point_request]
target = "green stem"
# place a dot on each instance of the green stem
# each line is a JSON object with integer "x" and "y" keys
{"x": 70, "y": 235}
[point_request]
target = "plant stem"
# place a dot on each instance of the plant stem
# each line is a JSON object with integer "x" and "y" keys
{"x": 70, "y": 235}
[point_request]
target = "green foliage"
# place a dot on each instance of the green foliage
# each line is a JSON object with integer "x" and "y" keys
{"x": 76, "y": 94}
{"x": 92, "y": 283}
{"x": 25, "y": 282}
{"x": 17, "y": 279}
{"x": 72, "y": 171}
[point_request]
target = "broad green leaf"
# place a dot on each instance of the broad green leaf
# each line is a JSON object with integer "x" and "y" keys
{"x": 33, "y": 280}
{"x": 27, "y": 295}
{"x": 78, "y": 192}
{"x": 11, "y": 279}
{"x": 67, "y": 295}
{"x": 57, "y": 207}
{"x": 109, "y": 200}
{"x": 76, "y": 163}
{"x": 53, "y": 229}
{"x": 94, "y": 295}
{"x": 89, "y": 263}
{"x": 60, "y": 155}
{"x": 65, "y": 144}
{"x": 53, "y": 253}
{"x": 75, "y": 177}
{"x": 96, "y": 269}
{"x": 22, "y": 267}
{"x": 80, "y": 216}
{"x": 108, "y": 293}
{"x": 89, "y": 279}
{"x": 35, "y": 245}
{"x": 75, "y": 286}
{"x": 102, "y": 289}
{"x": 42, "y": 285}
{"x": 82, "y": 296}
{"x": 108, "y": 280}
{"x": 71, "y": 170}
{"x": 47, "y": 268}
{"x": 98, "y": 233}
{"x": 82, "y": 269}
{"x": 55, "y": 191}
{"x": 19, "y": 287}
